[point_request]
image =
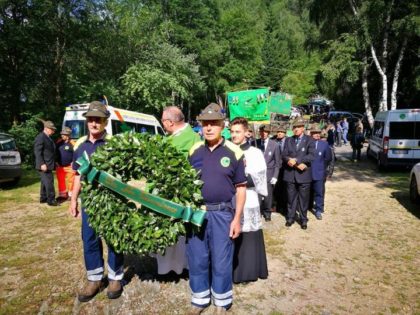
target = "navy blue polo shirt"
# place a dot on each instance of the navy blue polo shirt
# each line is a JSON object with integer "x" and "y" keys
{"x": 65, "y": 153}
{"x": 220, "y": 170}
{"x": 88, "y": 146}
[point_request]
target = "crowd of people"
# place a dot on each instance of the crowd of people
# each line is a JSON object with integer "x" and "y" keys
{"x": 338, "y": 135}
{"x": 245, "y": 180}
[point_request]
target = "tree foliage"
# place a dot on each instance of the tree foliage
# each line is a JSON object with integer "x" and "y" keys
{"x": 163, "y": 76}
{"x": 144, "y": 54}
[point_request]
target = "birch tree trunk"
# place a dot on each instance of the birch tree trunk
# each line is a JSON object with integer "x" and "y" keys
{"x": 396, "y": 75}
{"x": 384, "y": 58}
{"x": 383, "y": 104}
{"x": 368, "y": 108}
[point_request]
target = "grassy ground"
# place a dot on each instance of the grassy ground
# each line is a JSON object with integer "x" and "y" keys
{"x": 363, "y": 258}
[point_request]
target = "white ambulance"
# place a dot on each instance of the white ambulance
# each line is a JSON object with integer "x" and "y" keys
{"x": 120, "y": 120}
{"x": 395, "y": 138}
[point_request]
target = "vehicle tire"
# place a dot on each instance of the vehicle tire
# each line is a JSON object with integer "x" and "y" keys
{"x": 380, "y": 165}
{"x": 414, "y": 195}
{"x": 15, "y": 181}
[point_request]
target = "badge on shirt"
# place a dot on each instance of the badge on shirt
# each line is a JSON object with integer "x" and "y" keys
{"x": 320, "y": 153}
{"x": 303, "y": 149}
{"x": 225, "y": 161}
{"x": 66, "y": 147}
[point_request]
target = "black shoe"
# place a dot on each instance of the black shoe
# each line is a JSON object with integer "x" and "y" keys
{"x": 61, "y": 199}
{"x": 43, "y": 201}
{"x": 267, "y": 219}
{"x": 304, "y": 226}
{"x": 288, "y": 224}
{"x": 53, "y": 203}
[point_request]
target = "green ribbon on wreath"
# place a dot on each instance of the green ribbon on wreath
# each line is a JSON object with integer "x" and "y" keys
{"x": 153, "y": 202}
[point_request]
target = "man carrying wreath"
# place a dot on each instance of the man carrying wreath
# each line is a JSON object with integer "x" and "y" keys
{"x": 96, "y": 118}
{"x": 220, "y": 164}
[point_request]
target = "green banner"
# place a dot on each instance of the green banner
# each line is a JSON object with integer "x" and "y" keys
{"x": 153, "y": 202}
{"x": 250, "y": 104}
{"x": 280, "y": 103}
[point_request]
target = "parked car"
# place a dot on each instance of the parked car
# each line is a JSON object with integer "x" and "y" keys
{"x": 336, "y": 115}
{"x": 10, "y": 161}
{"x": 395, "y": 138}
{"x": 415, "y": 184}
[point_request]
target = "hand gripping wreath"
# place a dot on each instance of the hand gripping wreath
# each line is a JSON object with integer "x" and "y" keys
{"x": 129, "y": 227}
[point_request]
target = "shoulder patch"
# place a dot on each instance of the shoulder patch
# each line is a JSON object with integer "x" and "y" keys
{"x": 235, "y": 149}
{"x": 195, "y": 147}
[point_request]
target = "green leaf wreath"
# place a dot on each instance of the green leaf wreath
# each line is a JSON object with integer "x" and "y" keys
{"x": 125, "y": 226}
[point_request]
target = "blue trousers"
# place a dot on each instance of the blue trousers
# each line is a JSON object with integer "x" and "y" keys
{"x": 345, "y": 132}
{"x": 93, "y": 254}
{"x": 210, "y": 260}
{"x": 318, "y": 188}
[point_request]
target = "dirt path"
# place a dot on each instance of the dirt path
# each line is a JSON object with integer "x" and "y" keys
{"x": 362, "y": 258}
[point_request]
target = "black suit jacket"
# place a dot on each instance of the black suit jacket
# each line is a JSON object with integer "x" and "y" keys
{"x": 44, "y": 150}
{"x": 304, "y": 153}
{"x": 272, "y": 158}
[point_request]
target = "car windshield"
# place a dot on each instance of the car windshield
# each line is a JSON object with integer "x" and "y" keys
{"x": 7, "y": 143}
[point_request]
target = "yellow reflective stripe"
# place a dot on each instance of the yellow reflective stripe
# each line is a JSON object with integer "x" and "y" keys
{"x": 236, "y": 149}
{"x": 84, "y": 138}
{"x": 79, "y": 142}
{"x": 195, "y": 147}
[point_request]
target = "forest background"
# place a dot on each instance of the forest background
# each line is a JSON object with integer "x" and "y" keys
{"x": 144, "y": 55}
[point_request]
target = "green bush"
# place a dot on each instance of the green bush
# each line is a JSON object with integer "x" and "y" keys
{"x": 24, "y": 134}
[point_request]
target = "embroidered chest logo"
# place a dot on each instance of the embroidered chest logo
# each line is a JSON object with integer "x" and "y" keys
{"x": 225, "y": 161}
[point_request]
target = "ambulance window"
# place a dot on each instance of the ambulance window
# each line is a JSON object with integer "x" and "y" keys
{"x": 402, "y": 130}
{"x": 120, "y": 127}
{"x": 161, "y": 132}
{"x": 378, "y": 129}
{"x": 145, "y": 129}
{"x": 417, "y": 131}
{"x": 78, "y": 128}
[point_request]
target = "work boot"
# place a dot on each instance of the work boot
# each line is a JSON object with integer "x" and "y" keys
{"x": 89, "y": 291}
{"x": 114, "y": 289}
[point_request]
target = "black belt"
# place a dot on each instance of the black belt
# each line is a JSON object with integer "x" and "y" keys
{"x": 218, "y": 206}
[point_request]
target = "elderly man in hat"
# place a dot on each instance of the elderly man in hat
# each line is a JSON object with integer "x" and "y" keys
{"x": 97, "y": 119}
{"x": 44, "y": 150}
{"x": 298, "y": 154}
{"x": 64, "y": 171}
{"x": 272, "y": 158}
{"x": 280, "y": 192}
{"x": 319, "y": 171}
{"x": 210, "y": 251}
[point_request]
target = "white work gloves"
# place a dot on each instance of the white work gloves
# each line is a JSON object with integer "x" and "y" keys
{"x": 273, "y": 181}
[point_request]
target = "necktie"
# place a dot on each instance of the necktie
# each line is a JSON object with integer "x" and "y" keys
{"x": 316, "y": 145}
{"x": 262, "y": 145}
{"x": 297, "y": 141}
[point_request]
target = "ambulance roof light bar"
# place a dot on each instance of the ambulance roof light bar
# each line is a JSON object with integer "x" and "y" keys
{"x": 79, "y": 106}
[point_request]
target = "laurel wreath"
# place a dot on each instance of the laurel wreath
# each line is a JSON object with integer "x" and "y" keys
{"x": 129, "y": 227}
